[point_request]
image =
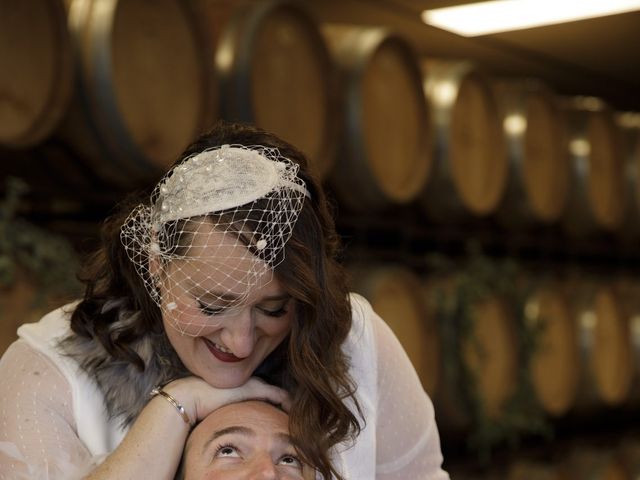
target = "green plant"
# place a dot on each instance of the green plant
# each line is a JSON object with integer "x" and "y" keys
{"x": 47, "y": 260}
{"x": 467, "y": 286}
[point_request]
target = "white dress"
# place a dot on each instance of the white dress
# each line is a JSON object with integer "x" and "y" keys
{"x": 53, "y": 423}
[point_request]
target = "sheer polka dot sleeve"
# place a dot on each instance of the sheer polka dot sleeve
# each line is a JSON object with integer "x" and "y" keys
{"x": 408, "y": 444}
{"x": 37, "y": 432}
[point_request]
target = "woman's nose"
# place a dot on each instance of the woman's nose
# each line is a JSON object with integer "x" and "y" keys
{"x": 239, "y": 333}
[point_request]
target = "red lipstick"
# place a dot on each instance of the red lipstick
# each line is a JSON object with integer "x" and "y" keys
{"x": 222, "y": 356}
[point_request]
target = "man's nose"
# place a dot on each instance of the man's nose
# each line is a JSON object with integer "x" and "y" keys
{"x": 262, "y": 468}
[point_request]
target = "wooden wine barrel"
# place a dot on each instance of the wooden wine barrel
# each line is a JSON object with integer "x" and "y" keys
{"x": 628, "y": 289}
{"x": 470, "y": 473}
{"x": 385, "y": 153}
{"x": 56, "y": 173}
{"x": 144, "y": 87}
{"x": 486, "y": 348}
{"x": 36, "y": 62}
{"x": 595, "y": 463}
{"x": 604, "y": 342}
{"x": 14, "y": 303}
{"x": 634, "y": 391}
{"x": 555, "y": 366}
{"x": 396, "y": 294}
{"x": 628, "y": 451}
{"x": 275, "y": 71}
{"x": 491, "y": 353}
{"x": 538, "y": 179}
{"x": 596, "y": 199}
{"x": 537, "y": 470}
{"x": 629, "y": 125}
{"x": 22, "y": 302}
{"x": 470, "y": 166}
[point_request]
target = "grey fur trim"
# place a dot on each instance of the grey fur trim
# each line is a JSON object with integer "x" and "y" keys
{"x": 126, "y": 388}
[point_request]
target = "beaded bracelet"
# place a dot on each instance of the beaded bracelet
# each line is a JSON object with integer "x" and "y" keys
{"x": 158, "y": 391}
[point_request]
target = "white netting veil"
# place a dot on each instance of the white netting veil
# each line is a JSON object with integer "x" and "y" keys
{"x": 216, "y": 226}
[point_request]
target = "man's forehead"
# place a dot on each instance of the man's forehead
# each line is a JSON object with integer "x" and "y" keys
{"x": 249, "y": 419}
{"x": 250, "y": 415}
{"x": 239, "y": 413}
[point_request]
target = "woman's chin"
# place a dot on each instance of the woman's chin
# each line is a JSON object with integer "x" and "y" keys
{"x": 220, "y": 380}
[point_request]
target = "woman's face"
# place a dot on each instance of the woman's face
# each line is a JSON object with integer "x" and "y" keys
{"x": 221, "y": 342}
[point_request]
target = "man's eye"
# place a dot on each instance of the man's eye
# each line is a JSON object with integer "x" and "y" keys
{"x": 227, "y": 451}
{"x": 290, "y": 460}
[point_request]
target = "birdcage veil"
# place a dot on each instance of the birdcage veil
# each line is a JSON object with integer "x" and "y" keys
{"x": 215, "y": 227}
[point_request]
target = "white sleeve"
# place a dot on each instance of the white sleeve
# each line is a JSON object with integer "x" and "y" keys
{"x": 38, "y": 437}
{"x": 407, "y": 439}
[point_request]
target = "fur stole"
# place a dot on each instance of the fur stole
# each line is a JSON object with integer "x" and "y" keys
{"x": 125, "y": 388}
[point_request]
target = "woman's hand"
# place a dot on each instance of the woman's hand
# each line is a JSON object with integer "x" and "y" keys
{"x": 159, "y": 428}
{"x": 199, "y": 398}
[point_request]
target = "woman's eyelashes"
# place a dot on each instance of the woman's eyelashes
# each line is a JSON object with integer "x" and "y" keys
{"x": 279, "y": 312}
{"x": 212, "y": 310}
{"x": 275, "y": 309}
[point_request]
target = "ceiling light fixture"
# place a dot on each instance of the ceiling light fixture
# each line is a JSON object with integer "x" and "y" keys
{"x": 484, "y": 18}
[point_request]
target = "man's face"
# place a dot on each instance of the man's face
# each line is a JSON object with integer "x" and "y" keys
{"x": 244, "y": 441}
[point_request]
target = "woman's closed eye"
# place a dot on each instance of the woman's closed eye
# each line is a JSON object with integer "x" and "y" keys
{"x": 278, "y": 312}
{"x": 212, "y": 310}
{"x": 275, "y": 308}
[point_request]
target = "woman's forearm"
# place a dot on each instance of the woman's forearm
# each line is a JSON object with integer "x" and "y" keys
{"x": 151, "y": 449}
{"x": 153, "y": 446}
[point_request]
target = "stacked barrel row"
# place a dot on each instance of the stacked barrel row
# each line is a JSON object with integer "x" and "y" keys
{"x": 617, "y": 460}
{"x": 584, "y": 340}
{"x": 102, "y": 96}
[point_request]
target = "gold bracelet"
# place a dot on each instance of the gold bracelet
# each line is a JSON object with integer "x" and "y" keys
{"x": 158, "y": 391}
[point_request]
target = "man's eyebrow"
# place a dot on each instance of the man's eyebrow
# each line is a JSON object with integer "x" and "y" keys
{"x": 229, "y": 430}
{"x": 286, "y": 438}
{"x": 283, "y": 437}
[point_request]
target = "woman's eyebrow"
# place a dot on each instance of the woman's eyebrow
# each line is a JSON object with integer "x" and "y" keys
{"x": 273, "y": 298}
{"x": 226, "y": 297}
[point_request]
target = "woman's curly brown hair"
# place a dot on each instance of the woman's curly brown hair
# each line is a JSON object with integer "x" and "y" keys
{"x": 310, "y": 364}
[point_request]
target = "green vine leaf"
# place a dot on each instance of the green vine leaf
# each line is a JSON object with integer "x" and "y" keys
{"x": 47, "y": 260}
{"x": 467, "y": 286}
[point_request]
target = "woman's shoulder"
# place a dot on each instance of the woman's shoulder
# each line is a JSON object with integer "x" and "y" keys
{"x": 45, "y": 336}
{"x": 362, "y": 323}
{"x": 49, "y": 329}
{"x": 360, "y": 348}
{"x": 361, "y": 309}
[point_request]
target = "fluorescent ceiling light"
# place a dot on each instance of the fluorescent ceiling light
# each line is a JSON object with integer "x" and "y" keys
{"x": 503, "y": 15}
